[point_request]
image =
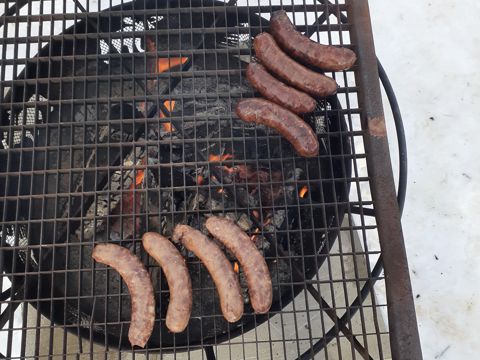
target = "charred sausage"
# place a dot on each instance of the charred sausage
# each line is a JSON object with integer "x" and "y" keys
{"x": 325, "y": 57}
{"x": 226, "y": 281}
{"x": 179, "y": 282}
{"x": 295, "y": 74}
{"x": 276, "y": 91}
{"x": 289, "y": 125}
{"x": 138, "y": 281}
{"x": 253, "y": 263}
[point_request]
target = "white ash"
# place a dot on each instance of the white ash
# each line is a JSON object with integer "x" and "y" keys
{"x": 105, "y": 203}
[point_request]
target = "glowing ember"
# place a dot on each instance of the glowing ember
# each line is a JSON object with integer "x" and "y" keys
{"x": 303, "y": 191}
{"x": 236, "y": 267}
{"x": 200, "y": 180}
{"x": 255, "y": 234}
{"x": 213, "y": 157}
{"x": 138, "y": 179}
{"x": 256, "y": 214}
{"x": 164, "y": 64}
{"x": 168, "y": 127}
{"x": 221, "y": 191}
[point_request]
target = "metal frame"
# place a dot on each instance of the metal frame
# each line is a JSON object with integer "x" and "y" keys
{"x": 383, "y": 194}
{"x": 404, "y": 341}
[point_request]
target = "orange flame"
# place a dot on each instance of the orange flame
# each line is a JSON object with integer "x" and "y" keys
{"x": 235, "y": 267}
{"x": 168, "y": 127}
{"x": 164, "y": 64}
{"x": 200, "y": 180}
{"x": 303, "y": 191}
{"x": 138, "y": 179}
{"x": 213, "y": 157}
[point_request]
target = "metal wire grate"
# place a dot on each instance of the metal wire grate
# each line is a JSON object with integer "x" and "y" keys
{"x": 116, "y": 118}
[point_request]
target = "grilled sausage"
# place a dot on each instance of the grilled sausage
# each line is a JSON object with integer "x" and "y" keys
{"x": 325, "y": 57}
{"x": 178, "y": 278}
{"x": 138, "y": 281}
{"x": 295, "y": 74}
{"x": 226, "y": 281}
{"x": 276, "y": 91}
{"x": 289, "y": 125}
{"x": 253, "y": 263}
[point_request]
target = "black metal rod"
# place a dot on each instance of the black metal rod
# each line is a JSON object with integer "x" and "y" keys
{"x": 401, "y": 139}
{"x": 209, "y": 353}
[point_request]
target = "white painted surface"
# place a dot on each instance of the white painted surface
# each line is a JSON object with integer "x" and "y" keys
{"x": 431, "y": 51}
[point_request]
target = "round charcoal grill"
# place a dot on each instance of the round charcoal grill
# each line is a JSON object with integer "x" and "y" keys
{"x": 77, "y": 132}
{"x": 124, "y": 123}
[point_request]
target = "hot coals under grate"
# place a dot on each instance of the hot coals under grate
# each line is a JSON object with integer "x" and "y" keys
{"x": 123, "y": 124}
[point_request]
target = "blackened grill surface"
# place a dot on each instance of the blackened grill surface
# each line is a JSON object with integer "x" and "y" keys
{"x": 83, "y": 161}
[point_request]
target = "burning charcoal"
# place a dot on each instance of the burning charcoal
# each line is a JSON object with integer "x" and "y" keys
{"x": 244, "y": 285}
{"x": 131, "y": 203}
{"x": 280, "y": 271}
{"x": 278, "y": 218}
{"x": 261, "y": 242}
{"x": 245, "y": 172}
{"x": 214, "y": 205}
{"x": 101, "y": 208}
{"x": 197, "y": 201}
{"x": 320, "y": 126}
{"x": 271, "y": 195}
{"x": 244, "y": 222}
{"x": 295, "y": 175}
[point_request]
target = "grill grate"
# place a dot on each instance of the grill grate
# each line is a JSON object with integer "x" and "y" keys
{"x": 103, "y": 139}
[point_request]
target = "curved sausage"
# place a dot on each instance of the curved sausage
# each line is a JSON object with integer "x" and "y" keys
{"x": 295, "y": 74}
{"x": 226, "y": 281}
{"x": 139, "y": 284}
{"x": 276, "y": 91}
{"x": 179, "y": 282}
{"x": 254, "y": 265}
{"x": 289, "y": 125}
{"x": 325, "y": 57}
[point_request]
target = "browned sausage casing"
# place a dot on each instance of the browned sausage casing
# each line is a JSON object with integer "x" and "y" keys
{"x": 178, "y": 278}
{"x": 295, "y": 74}
{"x": 254, "y": 265}
{"x": 289, "y": 125}
{"x": 325, "y": 57}
{"x": 276, "y": 91}
{"x": 138, "y": 281}
{"x": 226, "y": 281}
